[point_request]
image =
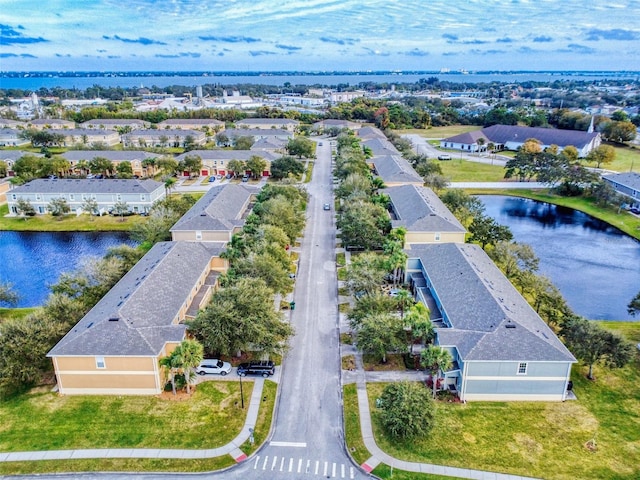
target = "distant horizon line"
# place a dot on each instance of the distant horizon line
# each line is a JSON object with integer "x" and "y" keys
{"x": 309, "y": 72}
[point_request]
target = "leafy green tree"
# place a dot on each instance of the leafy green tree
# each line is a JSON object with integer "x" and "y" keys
{"x": 513, "y": 258}
{"x": 28, "y": 167}
{"x": 101, "y": 165}
{"x": 191, "y": 164}
{"x": 380, "y": 333}
{"x": 241, "y": 316}
{"x": 367, "y": 305}
{"x": 634, "y": 305}
{"x": 285, "y": 166}
{"x": 7, "y": 295}
{"x": 619, "y": 132}
{"x": 464, "y": 206}
{"x": 256, "y": 165}
{"x": 169, "y": 183}
{"x": 236, "y": 167}
{"x": 25, "y": 208}
{"x": 548, "y": 302}
{"x": 363, "y": 224}
{"x": 404, "y": 300}
{"x": 121, "y": 208}
{"x": 301, "y": 147}
{"x": 90, "y": 207}
{"x": 436, "y": 182}
{"x": 4, "y": 168}
{"x": 486, "y": 231}
{"x": 58, "y": 207}
{"x": 592, "y": 344}
{"x": 243, "y": 143}
{"x": 281, "y": 212}
{"x": 263, "y": 265}
{"x": 365, "y": 274}
{"x": 435, "y": 358}
{"x": 59, "y": 165}
{"x": 354, "y": 186}
{"x": 124, "y": 170}
{"x": 168, "y": 165}
{"x": 407, "y": 410}
{"x": 603, "y": 154}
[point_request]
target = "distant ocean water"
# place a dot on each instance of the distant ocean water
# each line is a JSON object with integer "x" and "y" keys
{"x": 83, "y": 82}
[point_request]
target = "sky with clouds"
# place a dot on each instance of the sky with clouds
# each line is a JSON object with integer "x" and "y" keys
{"x": 311, "y": 35}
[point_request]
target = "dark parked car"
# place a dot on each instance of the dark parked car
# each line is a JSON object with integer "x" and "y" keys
{"x": 635, "y": 210}
{"x": 264, "y": 368}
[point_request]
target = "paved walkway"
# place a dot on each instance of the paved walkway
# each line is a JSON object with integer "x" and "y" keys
{"x": 232, "y": 448}
{"x": 378, "y": 456}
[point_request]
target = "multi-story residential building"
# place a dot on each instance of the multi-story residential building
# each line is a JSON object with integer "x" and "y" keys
{"x": 139, "y": 195}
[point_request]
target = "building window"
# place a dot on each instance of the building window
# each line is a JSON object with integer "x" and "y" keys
{"x": 118, "y": 197}
{"x": 72, "y": 197}
{"x": 13, "y": 196}
{"x": 437, "y": 236}
{"x": 198, "y": 234}
{"x": 38, "y": 197}
{"x": 142, "y": 198}
{"x": 100, "y": 362}
{"x": 522, "y": 368}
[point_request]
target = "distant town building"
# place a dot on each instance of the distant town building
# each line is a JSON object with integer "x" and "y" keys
{"x": 162, "y": 138}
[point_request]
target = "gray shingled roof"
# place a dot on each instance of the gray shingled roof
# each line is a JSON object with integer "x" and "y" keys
{"x": 112, "y": 155}
{"x": 395, "y": 169}
{"x": 268, "y": 121}
{"x": 627, "y": 179}
{"x": 252, "y": 132}
{"x": 380, "y": 146}
{"x": 191, "y": 121}
{"x": 269, "y": 144}
{"x": 477, "y": 298}
{"x": 220, "y": 209}
{"x": 144, "y": 303}
{"x": 14, "y": 155}
{"x": 502, "y": 134}
{"x": 228, "y": 154}
{"x": 418, "y": 209}
{"x": 85, "y": 185}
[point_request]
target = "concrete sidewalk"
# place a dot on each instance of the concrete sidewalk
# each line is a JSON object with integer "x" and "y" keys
{"x": 232, "y": 448}
{"x": 378, "y": 456}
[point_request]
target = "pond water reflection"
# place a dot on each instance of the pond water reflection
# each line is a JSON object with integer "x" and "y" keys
{"x": 32, "y": 261}
{"x": 595, "y": 266}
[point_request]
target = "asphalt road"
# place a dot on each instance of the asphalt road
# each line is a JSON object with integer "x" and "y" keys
{"x": 308, "y": 438}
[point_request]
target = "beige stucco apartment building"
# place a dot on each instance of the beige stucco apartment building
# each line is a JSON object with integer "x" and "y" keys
{"x": 115, "y": 348}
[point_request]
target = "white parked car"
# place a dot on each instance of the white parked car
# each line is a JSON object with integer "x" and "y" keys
{"x": 213, "y": 366}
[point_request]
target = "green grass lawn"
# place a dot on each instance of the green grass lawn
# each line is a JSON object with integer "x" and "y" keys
{"x": 440, "y": 132}
{"x": 70, "y": 223}
{"x": 457, "y": 170}
{"x": 540, "y": 439}
{"x": 627, "y": 158}
{"x": 622, "y": 220}
{"x": 265, "y": 416}
{"x": 47, "y": 421}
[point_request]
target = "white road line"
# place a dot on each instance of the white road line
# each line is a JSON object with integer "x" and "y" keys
{"x": 289, "y": 444}
{"x": 282, "y": 464}
{"x": 325, "y": 468}
{"x": 342, "y": 470}
{"x": 273, "y": 464}
{"x": 291, "y": 464}
{"x": 264, "y": 465}
{"x": 255, "y": 465}
{"x": 299, "y": 465}
{"x": 317, "y": 466}
{"x": 352, "y": 473}
{"x": 333, "y": 470}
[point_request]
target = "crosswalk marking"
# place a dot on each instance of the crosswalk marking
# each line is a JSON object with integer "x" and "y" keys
{"x": 313, "y": 467}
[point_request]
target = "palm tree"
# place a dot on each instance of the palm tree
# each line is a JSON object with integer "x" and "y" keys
{"x": 172, "y": 365}
{"x": 435, "y": 358}
{"x": 481, "y": 141}
{"x": 169, "y": 182}
{"x": 191, "y": 353}
{"x": 418, "y": 320}
{"x": 404, "y": 299}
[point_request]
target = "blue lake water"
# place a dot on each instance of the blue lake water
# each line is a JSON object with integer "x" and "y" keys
{"x": 32, "y": 261}
{"x": 161, "y": 81}
{"x": 595, "y": 266}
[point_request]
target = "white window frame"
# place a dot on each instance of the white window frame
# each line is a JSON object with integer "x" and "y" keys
{"x": 520, "y": 368}
{"x": 72, "y": 197}
{"x": 100, "y": 363}
{"x": 143, "y": 198}
{"x": 437, "y": 236}
{"x": 198, "y": 234}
